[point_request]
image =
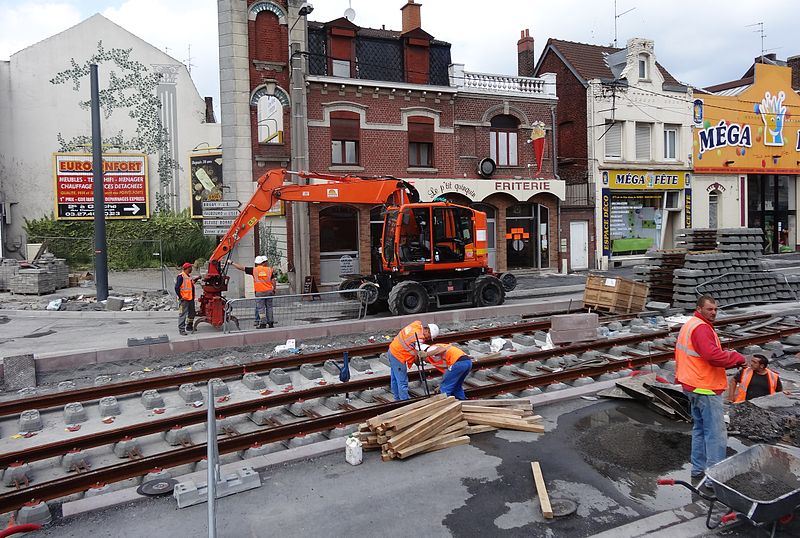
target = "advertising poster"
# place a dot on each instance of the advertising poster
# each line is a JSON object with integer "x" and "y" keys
{"x": 205, "y": 182}
{"x": 124, "y": 186}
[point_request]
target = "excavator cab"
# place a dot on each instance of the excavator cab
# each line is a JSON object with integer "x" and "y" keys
{"x": 429, "y": 237}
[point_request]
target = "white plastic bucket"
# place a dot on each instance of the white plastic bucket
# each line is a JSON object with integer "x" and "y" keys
{"x": 353, "y": 453}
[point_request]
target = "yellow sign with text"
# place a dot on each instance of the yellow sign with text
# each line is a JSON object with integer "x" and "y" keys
{"x": 646, "y": 180}
{"x": 756, "y": 131}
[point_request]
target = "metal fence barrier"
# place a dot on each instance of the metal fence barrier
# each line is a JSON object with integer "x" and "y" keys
{"x": 298, "y": 309}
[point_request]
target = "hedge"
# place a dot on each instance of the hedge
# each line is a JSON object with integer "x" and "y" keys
{"x": 132, "y": 244}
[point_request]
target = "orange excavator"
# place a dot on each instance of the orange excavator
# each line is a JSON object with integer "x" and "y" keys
{"x": 432, "y": 254}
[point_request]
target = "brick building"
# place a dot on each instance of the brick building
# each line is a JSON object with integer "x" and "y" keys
{"x": 384, "y": 102}
{"x": 620, "y": 115}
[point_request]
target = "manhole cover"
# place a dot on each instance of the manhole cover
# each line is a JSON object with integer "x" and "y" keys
{"x": 155, "y": 488}
{"x": 562, "y": 507}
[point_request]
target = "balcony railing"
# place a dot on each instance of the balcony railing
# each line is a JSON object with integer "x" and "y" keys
{"x": 580, "y": 194}
{"x": 545, "y": 86}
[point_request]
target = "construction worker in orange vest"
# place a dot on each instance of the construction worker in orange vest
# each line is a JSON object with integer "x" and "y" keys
{"x": 455, "y": 366}
{"x": 184, "y": 291}
{"x": 755, "y": 381}
{"x": 700, "y": 364}
{"x": 264, "y": 280}
{"x": 404, "y": 351}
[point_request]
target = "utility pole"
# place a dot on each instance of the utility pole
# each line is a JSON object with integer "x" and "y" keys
{"x": 100, "y": 246}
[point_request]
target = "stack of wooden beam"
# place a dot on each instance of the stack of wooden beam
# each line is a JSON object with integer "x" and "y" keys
{"x": 442, "y": 422}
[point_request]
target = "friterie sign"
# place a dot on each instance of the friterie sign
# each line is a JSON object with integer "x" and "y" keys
{"x": 124, "y": 185}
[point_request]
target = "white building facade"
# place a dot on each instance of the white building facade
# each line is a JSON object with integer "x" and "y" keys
{"x": 38, "y": 115}
{"x": 640, "y": 145}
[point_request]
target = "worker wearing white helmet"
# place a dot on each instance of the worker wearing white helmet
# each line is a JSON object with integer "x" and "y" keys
{"x": 264, "y": 282}
{"x": 404, "y": 351}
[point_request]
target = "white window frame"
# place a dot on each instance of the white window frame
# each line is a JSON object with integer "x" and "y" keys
{"x": 639, "y": 145}
{"x": 644, "y": 67}
{"x": 613, "y": 132}
{"x": 675, "y": 131}
{"x": 503, "y": 147}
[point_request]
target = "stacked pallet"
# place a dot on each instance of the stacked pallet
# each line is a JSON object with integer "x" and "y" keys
{"x": 442, "y": 422}
{"x": 658, "y": 273}
{"x": 616, "y": 295}
{"x": 56, "y": 267}
{"x": 8, "y": 268}
{"x": 32, "y": 282}
{"x": 696, "y": 239}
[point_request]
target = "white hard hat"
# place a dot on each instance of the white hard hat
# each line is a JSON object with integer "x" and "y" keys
{"x": 260, "y": 259}
{"x": 434, "y": 329}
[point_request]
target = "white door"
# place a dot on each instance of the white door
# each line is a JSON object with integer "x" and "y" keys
{"x": 579, "y": 244}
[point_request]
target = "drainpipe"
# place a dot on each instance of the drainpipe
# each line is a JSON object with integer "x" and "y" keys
{"x": 554, "y": 142}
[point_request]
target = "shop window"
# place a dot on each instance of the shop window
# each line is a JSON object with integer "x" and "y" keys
{"x": 671, "y": 142}
{"x": 420, "y": 141}
{"x": 527, "y": 233}
{"x": 635, "y": 221}
{"x": 613, "y": 140}
{"x": 345, "y": 135}
{"x": 503, "y": 140}
{"x": 713, "y": 209}
{"x": 643, "y": 143}
{"x": 338, "y": 229}
{"x": 644, "y": 71}
{"x": 269, "y": 115}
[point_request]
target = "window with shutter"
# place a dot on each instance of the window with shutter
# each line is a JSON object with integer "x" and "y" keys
{"x": 345, "y": 135}
{"x": 613, "y": 138}
{"x": 643, "y": 141}
{"x": 503, "y": 140}
{"x": 420, "y": 141}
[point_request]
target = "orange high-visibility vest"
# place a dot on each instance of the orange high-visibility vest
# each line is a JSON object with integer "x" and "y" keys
{"x": 404, "y": 345}
{"x": 447, "y": 358}
{"x": 692, "y": 370}
{"x": 747, "y": 376}
{"x": 262, "y": 278}
{"x": 187, "y": 288}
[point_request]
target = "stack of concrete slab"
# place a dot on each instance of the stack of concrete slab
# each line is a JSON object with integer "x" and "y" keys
{"x": 658, "y": 273}
{"x": 788, "y": 287}
{"x": 742, "y": 288}
{"x": 696, "y": 239}
{"x": 746, "y": 245}
{"x": 699, "y": 268}
{"x": 8, "y": 268}
{"x": 32, "y": 282}
{"x": 569, "y": 328}
{"x": 57, "y": 267}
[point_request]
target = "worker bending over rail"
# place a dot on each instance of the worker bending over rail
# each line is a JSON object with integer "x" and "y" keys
{"x": 404, "y": 350}
{"x": 455, "y": 366}
{"x": 700, "y": 368}
{"x": 755, "y": 381}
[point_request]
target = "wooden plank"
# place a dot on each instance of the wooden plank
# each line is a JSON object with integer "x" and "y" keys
{"x": 451, "y": 443}
{"x": 502, "y": 422}
{"x": 455, "y": 426}
{"x": 404, "y": 453}
{"x": 541, "y": 489}
{"x": 494, "y": 410}
{"x": 521, "y": 403}
{"x": 472, "y": 430}
{"x": 428, "y": 427}
{"x": 374, "y": 422}
{"x": 407, "y": 419}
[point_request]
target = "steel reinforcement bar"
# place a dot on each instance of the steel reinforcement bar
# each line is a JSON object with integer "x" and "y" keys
{"x": 82, "y": 481}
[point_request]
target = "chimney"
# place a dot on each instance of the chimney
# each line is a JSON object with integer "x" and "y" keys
{"x": 794, "y": 63}
{"x": 411, "y": 17}
{"x": 210, "y": 110}
{"x": 525, "y": 61}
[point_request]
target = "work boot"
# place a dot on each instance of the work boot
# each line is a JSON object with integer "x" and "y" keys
{"x": 262, "y": 326}
{"x": 271, "y": 324}
{"x": 182, "y": 332}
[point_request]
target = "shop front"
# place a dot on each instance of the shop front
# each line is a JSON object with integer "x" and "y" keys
{"x": 749, "y": 142}
{"x": 641, "y": 210}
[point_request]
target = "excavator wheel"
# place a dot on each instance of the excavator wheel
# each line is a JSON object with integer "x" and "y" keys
{"x": 508, "y": 280}
{"x": 347, "y": 285}
{"x": 408, "y": 297}
{"x": 488, "y": 291}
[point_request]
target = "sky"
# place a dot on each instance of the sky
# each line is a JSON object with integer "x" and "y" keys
{"x": 706, "y": 43}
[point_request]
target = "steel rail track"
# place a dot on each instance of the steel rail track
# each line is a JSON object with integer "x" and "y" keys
{"x": 82, "y": 481}
{"x": 123, "y": 388}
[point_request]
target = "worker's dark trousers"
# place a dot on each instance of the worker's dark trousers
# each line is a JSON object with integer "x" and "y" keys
{"x": 264, "y": 306}
{"x": 186, "y": 315}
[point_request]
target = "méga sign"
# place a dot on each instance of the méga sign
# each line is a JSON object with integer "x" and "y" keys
{"x": 124, "y": 185}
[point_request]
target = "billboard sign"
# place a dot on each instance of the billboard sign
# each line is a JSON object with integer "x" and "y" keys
{"x": 205, "y": 181}
{"x": 124, "y": 181}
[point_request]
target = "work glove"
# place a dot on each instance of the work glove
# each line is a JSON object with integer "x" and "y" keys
{"x": 422, "y": 354}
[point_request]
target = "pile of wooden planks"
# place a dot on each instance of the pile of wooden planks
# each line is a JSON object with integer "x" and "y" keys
{"x": 442, "y": 422}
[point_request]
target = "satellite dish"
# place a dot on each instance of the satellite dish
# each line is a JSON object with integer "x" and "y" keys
{"x": 350, "y": 14}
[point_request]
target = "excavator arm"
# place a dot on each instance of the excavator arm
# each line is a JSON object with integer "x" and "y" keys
{"x": 341, "y": 189}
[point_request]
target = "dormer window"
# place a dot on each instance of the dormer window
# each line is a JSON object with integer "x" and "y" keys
{"x": 644, "y": 72}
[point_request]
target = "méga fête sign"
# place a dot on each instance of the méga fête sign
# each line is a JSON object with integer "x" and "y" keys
{"x": 124, "y": 186}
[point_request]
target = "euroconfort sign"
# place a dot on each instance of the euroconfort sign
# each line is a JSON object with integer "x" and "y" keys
{"x": 755, "y": 131}
{"x": 645, "y": 180}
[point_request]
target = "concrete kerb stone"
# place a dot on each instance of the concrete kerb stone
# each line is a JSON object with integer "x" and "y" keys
{"x": 109, "y": 407}
{"x": 219, "y": 387}
{"x": 30, "y": 421}
{"x": 178, "y": 436}
{"x": 151, "y": 399}
{"x": 17, "y": 473}
{"x": 253, "y": 381}
{"x": 189, "y": 492}
{"x": 127, "y": 447}
{"x": 309, "y": 371}
{"x": 74, "y": 460}
{"x": 74, "y": 413}
{"x": 36, "y": 512}
{"x": 279, "y": 376}
{"x": 189, "y": 393}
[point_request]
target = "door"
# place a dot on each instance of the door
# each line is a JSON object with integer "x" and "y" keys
{"x": 578, "y": 245}
{"x": 491, "y": 232}
{"x": 338, "y": 243}
{"x": 521, "y": 236}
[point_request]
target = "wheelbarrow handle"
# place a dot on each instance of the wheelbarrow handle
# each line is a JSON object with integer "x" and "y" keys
{"x": 666, "y": 482}
{"x": 687, "y": 485}
{"x": 730, "y": 516}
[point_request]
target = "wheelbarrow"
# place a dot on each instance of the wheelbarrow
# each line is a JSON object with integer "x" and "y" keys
{"x": 760, "y": 485}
